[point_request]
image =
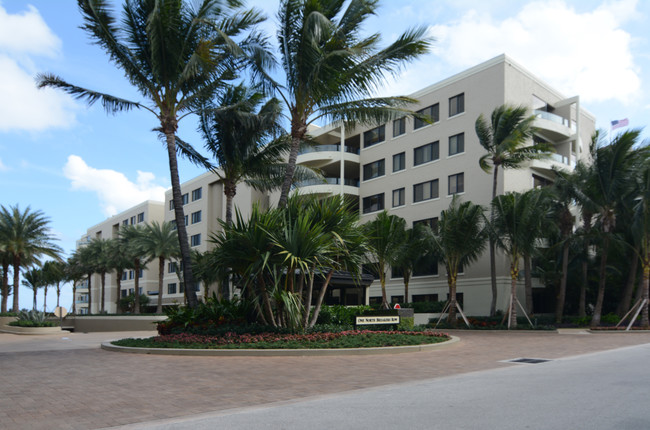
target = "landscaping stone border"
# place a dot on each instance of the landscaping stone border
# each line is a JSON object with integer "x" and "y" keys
{"x": 278, "y": 352}
{"x": 30, "y": 330}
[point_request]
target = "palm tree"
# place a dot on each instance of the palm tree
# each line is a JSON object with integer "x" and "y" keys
{"x": 176, "y": 54}
{"x": 74, "y": 272}
{"x": 25, "y": 236}
{"x": 118, "y": 261}
{"x": 506, "y": 140}
{"x": 54, "y": 272}
{"x": 330, "y": 69}
{"x": 385, "y": 235}
{"x": 84, "y": 261}
{"x": 244, "y": 142}
{"x": 99, "y": 250}
{"x": 33, "y": 279}
{"x": 515, "y": 215}
{"x": 5, "y": 260}
{"x": 131, "y": 236}
{"x": 459, "y": 241}
{"x": 408, "y": 253}
{"x": 158, "y": 241}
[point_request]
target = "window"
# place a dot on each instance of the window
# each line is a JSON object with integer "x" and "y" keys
{"x": 425, "y": 191}
{"x": 424, "y": 298}
{"x": 197, "y": 287}
{"x": 185, "y": 198}
{"x": 197, "y": 194}
{"x": 131, "y": 291}
{"x": 457, "y": 144}
{"x": 140, "y": 290}
{"x": 124, "y": 275}
{"x": 140, "y": 217}
{"x": 374, "y": 169}
{"x": 426, "y": 265}
{"x": 399, "y": 197}
{"x": 132, "y": 220}
{"x": 131, "y": 274}
{"x": 373, "y": 203}
{"x": 171, "y": 288}
{"x": 172, "y": 267}
{"x": 425, "y": 153}
{"x": 374, "y": 136}
{"x": 171, "y": 205}
{"x": 396, "y": 299}
{"x": 125, "y": 222}
{"x": 431, "y": 222}
{"x": 399, "y": 127}
{"x": 195, "y": 240}
{"x": 123, "y": 293}
{"x": 186, "y": 218}
{"x": 399, "y": 161}
{"x": 459, "y": 299}
{"x": 433, "y": 112}
{"x": 181, "y": 288}
{"x": 173, "y": 223}
{"x": 141, "y": 273}
{"x": 540, "y": 182}
{"x": 196, "y": 217}
{"x": 456, "y": 104}
{"x": 456, "y": 184}
{"x": 396, "y": 273}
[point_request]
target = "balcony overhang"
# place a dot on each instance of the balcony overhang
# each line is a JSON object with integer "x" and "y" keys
{"x": 551, "y": 130}
{"x": 320, "y": 159}
{"x": 324, "y": 190}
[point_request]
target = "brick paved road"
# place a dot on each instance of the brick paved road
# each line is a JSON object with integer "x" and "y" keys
{"x": 66, "y": 388}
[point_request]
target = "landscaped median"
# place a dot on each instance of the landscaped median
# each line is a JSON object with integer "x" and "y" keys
{"x": 351, "y": 342}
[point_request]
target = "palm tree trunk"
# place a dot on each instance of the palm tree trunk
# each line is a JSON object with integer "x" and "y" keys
{"x": 298, "y": 129}
{"x": 628, "y": 291}
{"x": 230, "y": 190}
{"x": 493, "y": 263}
{"x": 407, "y": 279}
{"x": 90, "y": 295}
{"x": 74, "y": 297}
{"x": 35, "y": 290}
{"x": 179, "y": 215}
{"x": 16, "y": 282}
{"x": 321, "y": 296}
{"x": 561, "y": 296}
{"x": 310, "y": 291}
{"x": 119, "y": 290}
{"x": 5, "y": 285}
{"x": 58, "y": 294}
{"x": 595, "y": 320}
{"x": 514, "y": 274}
{"x": 582, "y": 303}
{"x": 265, "y": 299}
{"x": 528, "y": 284}
{"x": 161, "y": 272}
{"x": 136, "y": 289}
{"x": 451, "y": 280}
{"x": 103, "y": 277}
{"x": 646, "y": 281}
{"x": 45, "y": 299}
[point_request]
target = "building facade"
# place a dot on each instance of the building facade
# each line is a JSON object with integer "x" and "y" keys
{"x": 413, "y": 169}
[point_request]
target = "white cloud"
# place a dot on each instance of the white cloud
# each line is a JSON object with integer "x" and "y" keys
{"x": 114, "y": 190}
{"x": 3, "y": 168}
{"x": 24, "y": 36}
{"x": 588, "y": 53}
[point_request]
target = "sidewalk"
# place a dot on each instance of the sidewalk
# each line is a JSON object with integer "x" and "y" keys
{"x": 51, "y": 382}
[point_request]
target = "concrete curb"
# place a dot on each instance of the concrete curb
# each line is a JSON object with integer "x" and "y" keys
{"x": 278, "y": 352}
{"x": 30, "y": 330}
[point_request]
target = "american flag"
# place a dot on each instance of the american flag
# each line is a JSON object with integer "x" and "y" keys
{"x": 619, "y": 123}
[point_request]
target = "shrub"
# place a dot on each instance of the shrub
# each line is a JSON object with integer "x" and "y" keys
{"x": 341, "y": 315}
{"x": 206, "y": 317}
{"x": 127, "y": 304}
{"x": 32, "y": 319}
{"x": 406, "y": 323}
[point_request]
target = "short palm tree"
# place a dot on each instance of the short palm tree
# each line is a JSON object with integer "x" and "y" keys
{"x": 515, "y": 214}
{"x": 131, "y": 236}
{"x": 330, "y": 69}
{"x": 158, "y": 241}
{"x": 176, "y": 54}
{"x": 459, "y": 241}
{"x": 54, "y": 273}
{"x": 34, "y": 280}
{"x": 84, "y": 261}
{"x": 411, "y": 249}
{"x": 641, "y": 230}
{"x": 25, "y": 236}
{"x": 100, "y": 250}
{"x": 5, "y": 261}
{"x": 385, "y": 235}
{"x": 74, "y": 272}
{"x": 118, "y": 261}
{"x": 506, "y": 138}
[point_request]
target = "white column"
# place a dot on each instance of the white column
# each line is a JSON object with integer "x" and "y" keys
{"x": 342, "y": 180}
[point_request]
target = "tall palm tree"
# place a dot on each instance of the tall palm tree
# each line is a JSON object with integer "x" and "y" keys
{"x": 5, "y": 261}
{"x": 25, "y": 236}
{"x": 131, "y": 236}
{"x": 84, "y": 261}
{"x": 506, "y": 138}
{"x": 74, "y": 272}
{"x": 158, "y": 241}
{"x": 53, "y": 273}
{"x": 515, "y": 215}
{"x": 176, "y": 54}
{"x": 641, "y": 229}
{"x": 459, "y": 241}
{"x": 244, "y": 142}
{"x": 385, "y": 235}
{"x": 34, "y": 280}
{"x": 330, "y": 69}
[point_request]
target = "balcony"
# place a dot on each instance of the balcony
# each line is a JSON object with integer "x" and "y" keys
{"x": 328, "y": 186}
{"x": 558, "y": 161}
{"x": 328, "y": 148}
{"x": 553, "y": 127}
{"x": 320, "y": 156}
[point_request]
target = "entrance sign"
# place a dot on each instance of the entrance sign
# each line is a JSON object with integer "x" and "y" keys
{"x": 377, "y": 320}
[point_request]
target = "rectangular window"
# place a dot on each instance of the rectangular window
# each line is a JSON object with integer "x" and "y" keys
{"x": 195, "y": 240}
{"x": 197, "y": 287}
{"x": 457, "y": 144}
{"x": 396, "y": 273}
{"x": 373, "y": 203}
{"x": 431, "y": 222}
{"x": 131, "y": 291}
{"x": 186, "y": 198}
{"x": 456, "y": 104}
{"x": 171, "y": 288}
{"x": 171, "y": 205}
{"x": 186, "y": 218}
{"x": 181, "y": 288}
{"x": 196, "y": 217}
{"x": 456, "y": 184}
{"x": 172, "y": 267}
{"x": 374, "y": 169}
{"x": 132, "y": 220}
{"x": 131, "y": 274}
{"x": 140, "y": 217}
{"x": 140, "y": 290}
{"x": 374, "y": 136}
{"x": 173, "y": 223}
{"x": 125, "y": 222}
{"x": 425, "y": 266}
{"x": 399, "y": 161}
{"x": 432, "y": 112}
{"x": 425, "y": 191}
{"x": 141, "y": 273}
{"x": 425, "y": 153}
{"x": 123, "y": 293}
{"x": 197, "y": 194}
{"x": 424, "y": 298}
{"x": 124, "y": 275}
{"x": 399, "y": 197}
{"x": 399, "y": 127}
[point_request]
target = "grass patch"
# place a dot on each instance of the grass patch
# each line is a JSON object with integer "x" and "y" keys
{"x": 345, "y": 339}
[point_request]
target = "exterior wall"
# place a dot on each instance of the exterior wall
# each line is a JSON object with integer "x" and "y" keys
{"x": 485, "y": 87}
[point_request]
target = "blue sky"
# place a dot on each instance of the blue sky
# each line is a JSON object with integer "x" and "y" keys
{"x": 79, "y": 165}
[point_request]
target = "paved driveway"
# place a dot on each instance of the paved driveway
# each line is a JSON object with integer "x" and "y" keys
{"x": 50, "y": 382}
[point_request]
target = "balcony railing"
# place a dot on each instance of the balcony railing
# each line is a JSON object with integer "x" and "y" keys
{"x": 569, "y": 161}
{"x": 555, "y": 118}
{"x": 331, "y": 148}
{"x": 329, "y": 181}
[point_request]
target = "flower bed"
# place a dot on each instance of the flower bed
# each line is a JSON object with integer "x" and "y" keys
{"x": 344, "y": 339}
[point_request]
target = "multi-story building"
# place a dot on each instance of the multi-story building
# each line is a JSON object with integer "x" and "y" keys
{"x": 412, "y": 169}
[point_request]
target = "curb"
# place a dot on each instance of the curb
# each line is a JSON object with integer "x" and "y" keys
{"x": 278, "y": 352}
